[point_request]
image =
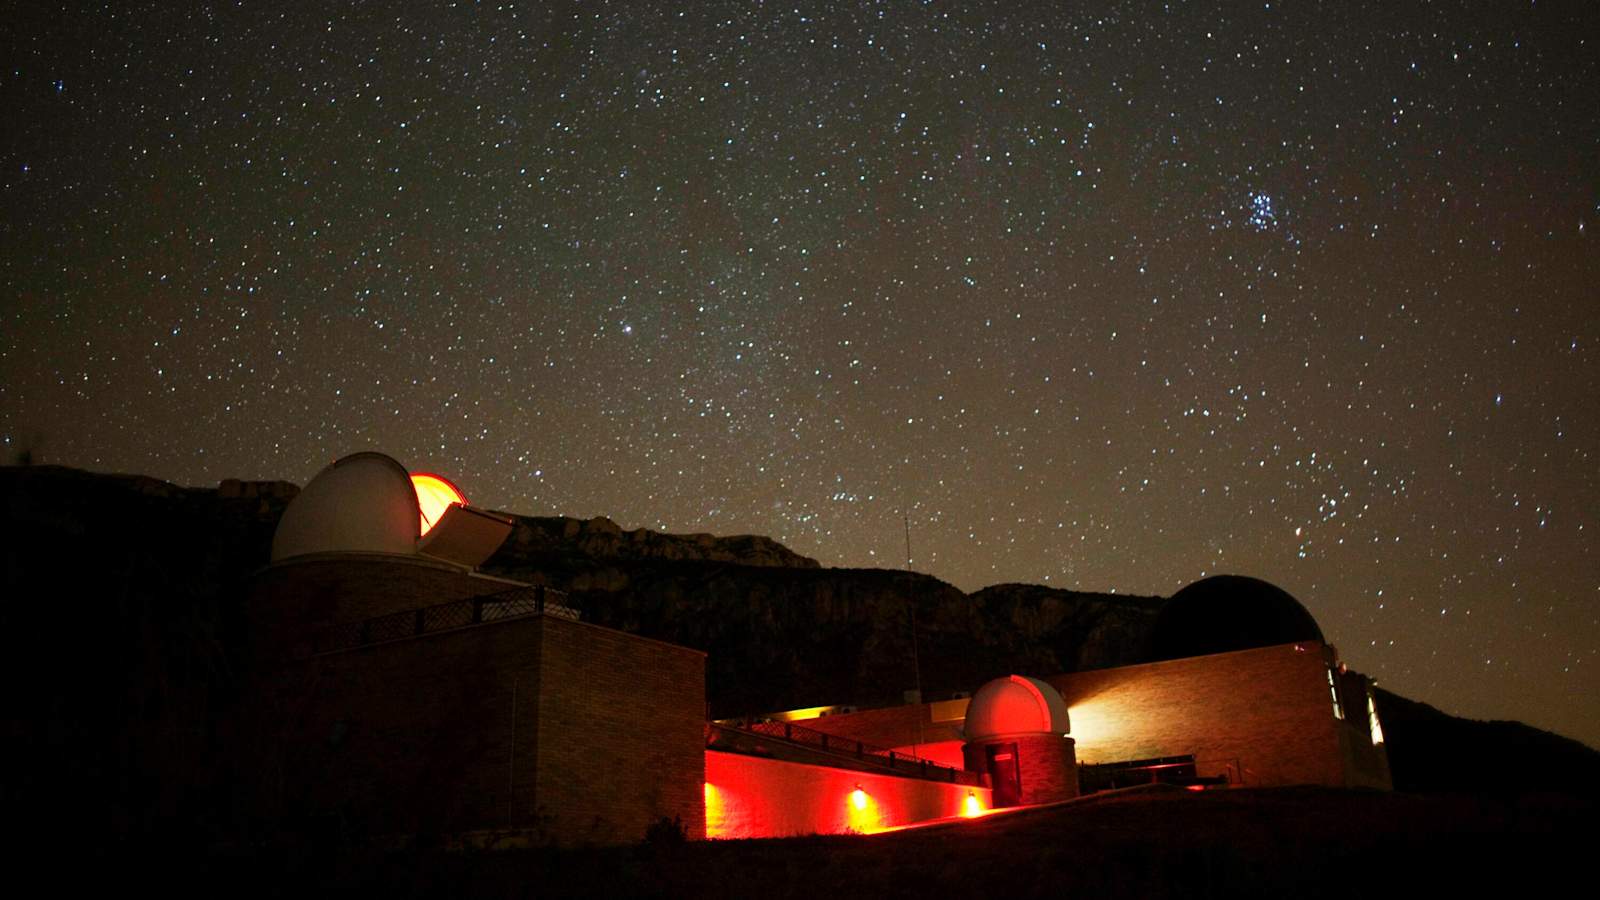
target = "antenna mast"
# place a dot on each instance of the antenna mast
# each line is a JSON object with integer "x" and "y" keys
{"x": 916, "y": 661}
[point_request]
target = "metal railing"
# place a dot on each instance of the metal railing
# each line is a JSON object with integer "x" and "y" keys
{"x": 513, "y": 604}
{"x": 877, "y": 757}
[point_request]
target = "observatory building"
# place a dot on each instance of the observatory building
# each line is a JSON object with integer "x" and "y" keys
{"x": 404, "y": 693}
{"x": 401, "y": 693}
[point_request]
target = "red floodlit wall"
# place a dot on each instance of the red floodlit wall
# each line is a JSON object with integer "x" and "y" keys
{"x": 753, "y": 797}
{"x": 945, "y": 753}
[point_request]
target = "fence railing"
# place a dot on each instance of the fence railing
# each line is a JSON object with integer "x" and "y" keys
{"x": 875, "y": 756}
{"x": 513, "y": 604}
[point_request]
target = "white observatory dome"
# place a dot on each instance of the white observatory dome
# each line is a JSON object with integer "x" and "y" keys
{"x": 1015, "y": 704}
{"x": 364, "y": 503}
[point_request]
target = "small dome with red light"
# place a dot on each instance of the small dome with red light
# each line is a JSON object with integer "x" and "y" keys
{"x": 1015, "y": 704}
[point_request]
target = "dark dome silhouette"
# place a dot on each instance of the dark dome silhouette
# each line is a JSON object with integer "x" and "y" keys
{"x": 1229, "y": 612}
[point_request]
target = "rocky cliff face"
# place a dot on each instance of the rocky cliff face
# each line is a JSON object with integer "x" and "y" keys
{"x": 539, "y": 540}
{"x": 779, "y": 637}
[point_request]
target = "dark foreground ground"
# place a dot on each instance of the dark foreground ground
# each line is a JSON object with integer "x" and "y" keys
{"x": 1309, "y": 842}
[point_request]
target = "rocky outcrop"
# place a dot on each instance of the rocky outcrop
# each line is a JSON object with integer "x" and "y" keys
{"x": 779, "y": 638}
{"x": 541, "y": 539}
{"x": 1088, "y": 630}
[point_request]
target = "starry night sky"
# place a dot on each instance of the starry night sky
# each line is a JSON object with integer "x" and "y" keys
{"x": 1106, "y": 296}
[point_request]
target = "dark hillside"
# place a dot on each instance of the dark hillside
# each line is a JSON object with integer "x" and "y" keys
{"x": 117, "y": 600}
{"x": 1286, "y": 842}
{"x": 1431, "y": 750}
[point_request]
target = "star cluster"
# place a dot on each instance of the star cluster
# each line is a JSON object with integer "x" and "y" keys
{"x": 1106, "y": 296}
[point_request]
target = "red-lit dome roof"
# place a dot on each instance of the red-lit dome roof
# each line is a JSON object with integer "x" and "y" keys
{"x": 1015, "y": 704}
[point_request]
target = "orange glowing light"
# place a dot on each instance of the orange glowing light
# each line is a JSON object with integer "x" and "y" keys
{"x": 434, "y": 496}
{"x": 972, "y": 807}
{"x": 858, "y": 798}
{"x": 716, "y": 813}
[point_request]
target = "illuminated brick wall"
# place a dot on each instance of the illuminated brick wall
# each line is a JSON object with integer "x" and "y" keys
{"x": 750, "y": 796}
{"x": 1262, "y": 716}
{"x": 541, "y": 725}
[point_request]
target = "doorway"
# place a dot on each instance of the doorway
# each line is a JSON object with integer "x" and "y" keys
{"x": 1004, "y": 774}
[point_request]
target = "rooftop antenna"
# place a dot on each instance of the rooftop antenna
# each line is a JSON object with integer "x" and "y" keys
{"x": 916, "y": 661}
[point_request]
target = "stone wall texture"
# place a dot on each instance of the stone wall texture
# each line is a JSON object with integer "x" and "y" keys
{"x": 566, "y": 731}
{"x": 1260, "y": 717}
{"x": 1046, "y": 766}
{"x": 289, "y": 602}
{"x": 622, "y": 734}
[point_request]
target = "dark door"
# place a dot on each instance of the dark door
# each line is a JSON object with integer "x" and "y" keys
{"x": 1004, "y": 774}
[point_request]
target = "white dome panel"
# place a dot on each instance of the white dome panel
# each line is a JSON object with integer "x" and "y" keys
{"x": 364, "y": 503}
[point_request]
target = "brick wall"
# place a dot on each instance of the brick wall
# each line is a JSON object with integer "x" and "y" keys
{"x": 1261, "y": 716}
{"x": 1046, "y": 766}
{"x": 287, "y": 602}
{"x": 622, "y": 725}
{"x": 414, "y": 736}
{"x": 569, "y": 731}
{"x": 751, "y": 796}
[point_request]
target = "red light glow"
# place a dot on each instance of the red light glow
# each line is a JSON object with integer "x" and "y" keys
{"x": 434, "y": 495}
{"x": 753, "y": 797}
{"x": 716, "y": 814}
{"x": 972, "y": 807}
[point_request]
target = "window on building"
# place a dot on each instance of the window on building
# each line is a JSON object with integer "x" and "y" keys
{"x": 1333, "y": 688}
{"x": 1372, "y": 719}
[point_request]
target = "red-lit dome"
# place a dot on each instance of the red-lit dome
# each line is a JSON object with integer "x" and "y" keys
{"x": 1015, "y": 705}
{"x": 434, "y": 495}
